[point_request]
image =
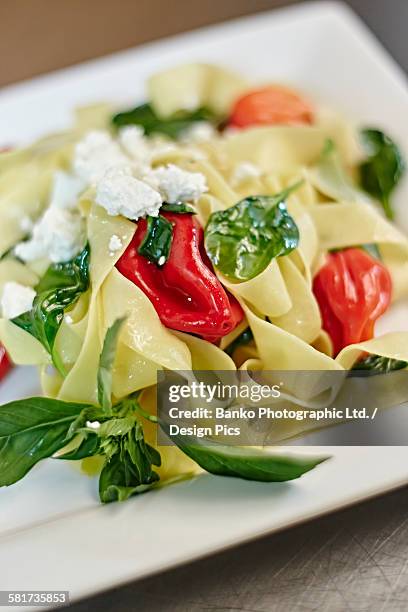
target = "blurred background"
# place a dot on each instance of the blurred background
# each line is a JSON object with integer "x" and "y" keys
{"x": 37, "y": 36}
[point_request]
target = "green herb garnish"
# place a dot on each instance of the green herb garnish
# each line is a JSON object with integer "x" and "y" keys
{"x": 128, "y": 469}
{"x": 247, "y": 463}
{"x": 241, "y": 241}
{"x": 157, "y": 241}
{"x": 379, "y": 365}
{"x": 181, "y": 208}
{"x": 172, "y": 126}
{"x": 381, "y": 172}
{"x": 60, "y": 287}
{"x": 36, "y": 428}
{"x": 30, "y": 430}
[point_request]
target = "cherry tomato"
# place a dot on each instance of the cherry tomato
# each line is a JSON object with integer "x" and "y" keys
{"x": 271, "y": 105}
{"x": 353, "y": 290}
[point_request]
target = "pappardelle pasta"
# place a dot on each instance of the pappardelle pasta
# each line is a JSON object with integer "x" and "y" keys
{"x": 222, "y": 225}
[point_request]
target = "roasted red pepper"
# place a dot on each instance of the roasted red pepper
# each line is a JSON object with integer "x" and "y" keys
{"x": 271, "y": 105}
{"x": 184, "y": 291}
{"x": 5, "y": 363}
{"x": 353, "y": 289}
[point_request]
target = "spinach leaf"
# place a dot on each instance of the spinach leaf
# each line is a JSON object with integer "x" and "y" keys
{"x": 379, "y": 365}
{"x": 157, "y": 241}
{"x": 128, "y": 468}
{"x": 172, "y": 126}
{"x": 250, "y": 464}
{"x": 245, "y": 338}
{"x": 181, "y": 208}
{"x": 242, "y": 240}
{"x": 31, "y": 430}
{"x": 383, "y": 168}
{"x": 59, "y": 288}
{"x": 106, "y": 360}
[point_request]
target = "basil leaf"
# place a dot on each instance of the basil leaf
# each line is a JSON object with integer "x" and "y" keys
{"x": 157, "y": 241}
{"x": 382, "y": 170}
{"x": 128, "y": 470}
{"x": 116, "y": 427}
{"x": 89, "y": 447}
{"x": 31, "y": 430}
{"x": 106, "y": 360}
{"x": 250, "y": 464}
{"x": 379, "y": 365}
{"x": 181, "y": 208}
{"x": 172, "y": 126}
{"x": 114, "y": 473}
{"x": 245, "y": 338}
{"x": 242, "y": 240}
{"x": 59, "y": 288}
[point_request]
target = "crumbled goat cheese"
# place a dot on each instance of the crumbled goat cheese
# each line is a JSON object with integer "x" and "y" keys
{"x": 142, "y": 150}
{"x": 115, "y": 243}
{"x": 16, "y": 299}
{"x": 26, "y": 224}
{"x": 65, "y": 190}
{"x": 120, "y": 193}
{"x": 95, "y": 154}
{"x": 93, "y": 424}
{"x": 200, "y": 131}
{"x": 177, "y": 185}
{"x": 58, "y": 235}
{"x": 243, "y": 172}
{"x": 134, "y": 143}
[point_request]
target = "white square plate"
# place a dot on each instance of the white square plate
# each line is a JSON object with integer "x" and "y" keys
{"x": 53, "y": 532}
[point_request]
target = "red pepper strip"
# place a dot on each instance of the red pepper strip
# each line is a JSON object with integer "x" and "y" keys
{"x": 5, "y": 363}
{"x": 353, "y": 290}
{"x": 184, "y": 291}
{"x": 271, "y": 105}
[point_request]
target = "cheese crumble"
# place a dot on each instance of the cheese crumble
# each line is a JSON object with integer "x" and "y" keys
{"x": 115, "y": 243}
{"x": 177, "y": 185}
{"x": 59, "y": 235}
{"x": 120, "y": 193}
{"x": 16, "y": 299}
{"x": 95, "y": 154}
